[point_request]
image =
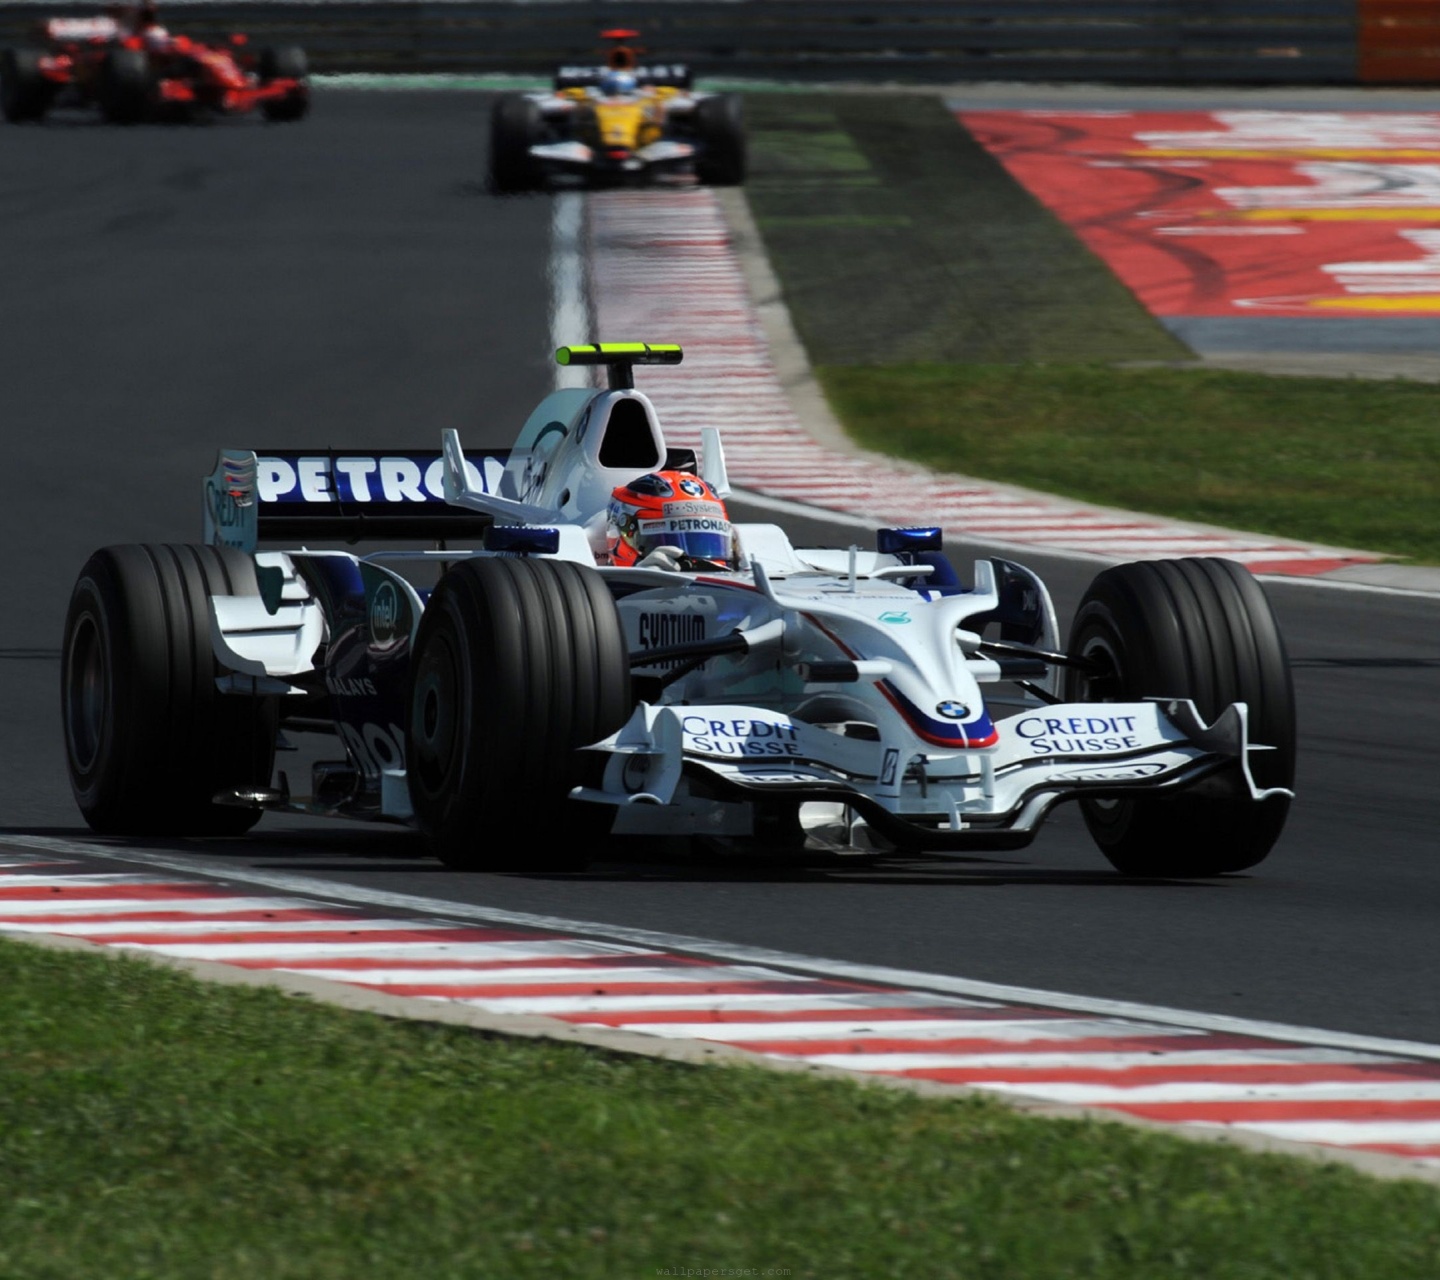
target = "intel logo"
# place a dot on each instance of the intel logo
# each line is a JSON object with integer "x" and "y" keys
{"x": 385, "y": 615}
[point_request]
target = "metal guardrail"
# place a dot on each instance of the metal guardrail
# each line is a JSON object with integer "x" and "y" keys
{"x": 1156, "y": 41}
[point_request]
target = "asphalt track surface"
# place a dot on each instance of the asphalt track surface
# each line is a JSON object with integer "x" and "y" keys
{"x": 347, "y": 280}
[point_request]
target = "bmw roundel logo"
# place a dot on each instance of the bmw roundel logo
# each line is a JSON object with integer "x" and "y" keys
{"x": 952, "y": 710}
{"x": 693, "y": 487}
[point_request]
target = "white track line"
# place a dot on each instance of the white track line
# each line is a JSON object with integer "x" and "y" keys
{"x": 220, "y": 924}
{"x": 1018, "y": 1029}
{"x": 61, "y": 906}
{"x": 1308, "y": 1090}
{"x": 460, "y": 975}
{"x": 1347, "y": 1133}
{"x": 1087, "y": 1061}
{"x": 718, "y": 1003}
{"x": 569, "y": 298}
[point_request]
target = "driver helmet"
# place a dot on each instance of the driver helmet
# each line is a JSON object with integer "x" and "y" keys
{"x": 669, "y": 509}
{"x": 615, "y": 84}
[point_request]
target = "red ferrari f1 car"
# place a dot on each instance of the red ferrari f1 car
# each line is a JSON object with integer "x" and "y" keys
{"x": 127, "y": 64}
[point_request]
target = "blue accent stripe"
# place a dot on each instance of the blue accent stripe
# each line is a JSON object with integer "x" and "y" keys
{"x": 979, "y": 732}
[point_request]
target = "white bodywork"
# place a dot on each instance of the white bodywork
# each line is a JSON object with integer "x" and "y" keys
{"x": 856, "y": 687}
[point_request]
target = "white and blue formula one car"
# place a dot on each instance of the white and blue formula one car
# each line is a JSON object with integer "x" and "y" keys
{"x": 522, "y": 697}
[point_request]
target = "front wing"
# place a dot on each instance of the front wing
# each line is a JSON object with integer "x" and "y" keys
{"x": 993, "y": 798}
{"x": 576, "y": 157}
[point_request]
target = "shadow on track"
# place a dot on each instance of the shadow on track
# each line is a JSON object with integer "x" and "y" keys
{"x": 387, "y": 851}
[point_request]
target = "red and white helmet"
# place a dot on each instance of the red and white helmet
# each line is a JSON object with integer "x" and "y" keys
{"x": 669, "y": 509}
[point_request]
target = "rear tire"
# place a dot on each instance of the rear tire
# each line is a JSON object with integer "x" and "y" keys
{"x": 25, "y": 93}
{"x": 1200, "y": 629}
{"x": 127, "y": 87}
{"x": 516, "y": 125}
{"x": 288, "y": 62}
{"x": 720, "y": 135}
{"x": 517, "y": 663}
{"x": 149, "y": 739}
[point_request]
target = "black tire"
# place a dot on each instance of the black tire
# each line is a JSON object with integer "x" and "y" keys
{"x": 127, "y": 86}
{"x": 287, "y": 62}
{"x": 25, "y": 94}
{"x": 516, "y": 125}
{"x": 517, "y": 663}
{"x": 149, "y": 739}
{"x": 1200, "y": 629}
{"x": 720, "y": 135}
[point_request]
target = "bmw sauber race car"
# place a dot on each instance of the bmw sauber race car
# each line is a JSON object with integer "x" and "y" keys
{"x": 581, "y": 645}
{"x": 620, "y": 123}
{"x": 133, "y": 69}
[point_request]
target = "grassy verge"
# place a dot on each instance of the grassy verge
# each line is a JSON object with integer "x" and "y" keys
{"x": 1330, "y": 460}
{"x": 153, "y": 1127}
{"x": 899, "y": 238}
{"x": 954, "y": 321}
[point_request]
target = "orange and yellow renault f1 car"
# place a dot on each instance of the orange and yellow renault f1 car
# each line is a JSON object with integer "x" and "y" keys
{"x": 623, "y": 122}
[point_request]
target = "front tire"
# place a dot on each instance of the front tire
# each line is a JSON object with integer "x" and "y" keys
{"x": 1200, "y": 629}
{"x": 720, "y": 134}
{"x": 517, "y": 663}
{"x": 288, "y": 62}
{"x": 149, "y": 740}
{"x": 127, "y": 87}
{"x": 516, "y": 125}
{"x": 25, "y": 93}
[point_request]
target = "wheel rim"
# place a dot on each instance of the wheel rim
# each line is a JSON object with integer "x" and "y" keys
{"x": 434, "y": 718}
{"x": 1106, "y": 684}
{"x": 86, "y": 693}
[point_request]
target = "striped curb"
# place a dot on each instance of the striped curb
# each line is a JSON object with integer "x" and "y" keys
{"x": 1199, "y": 1080}
{"x": 664, "y": 263}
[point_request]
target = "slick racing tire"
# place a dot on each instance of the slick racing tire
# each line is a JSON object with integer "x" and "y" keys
{"x": 287, "y": 62}
{"x": 24, "y": 92}
{"x": 127, "y": 86}
{"x": 720, "y": 136}
{"x": 517, "y": 663}
{"x": 149, "y": 739}
{"x": 1200, "y": 629}
{"x": 516, "y": 125}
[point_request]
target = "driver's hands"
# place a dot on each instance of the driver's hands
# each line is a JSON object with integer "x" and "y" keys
{"x": 663, "y": 558}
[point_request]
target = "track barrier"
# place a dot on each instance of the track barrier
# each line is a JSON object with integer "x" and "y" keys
{"x": 937, "y": 41}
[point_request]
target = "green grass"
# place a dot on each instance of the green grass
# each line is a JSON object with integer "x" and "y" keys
{"x": 1342, "y": 461}
{"x": 898, "y": 238}
{"x": 153, "y": 1127}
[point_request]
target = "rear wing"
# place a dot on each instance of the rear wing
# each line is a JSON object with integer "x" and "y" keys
{"x": 341, "y": 495}
{"x": 672, "y": 75}
{"x": 98, "y": 30}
